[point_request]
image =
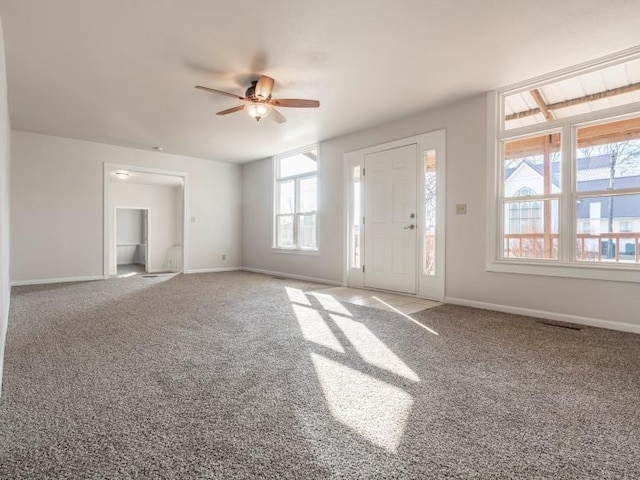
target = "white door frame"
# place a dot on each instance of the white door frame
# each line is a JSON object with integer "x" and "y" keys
{"x": 108, "y": 169}
{"x": 435, "y": 140}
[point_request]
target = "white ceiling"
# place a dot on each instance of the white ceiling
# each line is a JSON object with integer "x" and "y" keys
{"x": 123, "y": 71}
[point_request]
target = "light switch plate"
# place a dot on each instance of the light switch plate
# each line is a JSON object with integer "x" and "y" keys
{"x": 461, "y": 208}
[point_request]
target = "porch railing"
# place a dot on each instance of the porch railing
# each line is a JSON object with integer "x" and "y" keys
{"x": 606, "y": 247}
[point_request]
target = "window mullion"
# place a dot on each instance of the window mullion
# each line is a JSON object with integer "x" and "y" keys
{"x": 296, "y": 211}
{"x": 568, "y": 221}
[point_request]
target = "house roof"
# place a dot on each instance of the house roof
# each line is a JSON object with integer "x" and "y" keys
{"x": 577, "y": 87}
{"x": 593, "y": 173}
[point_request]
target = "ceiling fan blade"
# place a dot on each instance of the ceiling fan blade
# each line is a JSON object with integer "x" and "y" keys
{"x": 220, "y": 92}
{"x": 264, "y": 87}
{"x": 295, "y": 103}
{"x": 276, "y": 116}
{"x": 231, "y": 110}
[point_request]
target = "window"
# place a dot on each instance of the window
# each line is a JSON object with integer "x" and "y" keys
{"x": 567, "y": 169}
{"x": 430, "y": 213}
{"x": 608, "y": 190}
{"x": 296, "y": 200}
{"x": 530, "y": 222}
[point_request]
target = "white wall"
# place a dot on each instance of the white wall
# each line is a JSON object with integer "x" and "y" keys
{"x": 164, "y": 230}
{"x": 5, "y": 289}
{"x": 57, "y": 206}
{"x": 466, "y": 277}
{"x": 128, "y": 225}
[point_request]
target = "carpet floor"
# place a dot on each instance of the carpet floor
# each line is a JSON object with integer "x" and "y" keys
{"x": 239, "y": 375}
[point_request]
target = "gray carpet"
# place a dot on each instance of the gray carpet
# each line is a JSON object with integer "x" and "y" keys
{"x": 229, "y": 376}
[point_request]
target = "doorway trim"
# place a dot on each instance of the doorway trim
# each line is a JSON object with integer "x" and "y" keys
{"x": 108, "y": 168}
{"x": 435, "y": 140}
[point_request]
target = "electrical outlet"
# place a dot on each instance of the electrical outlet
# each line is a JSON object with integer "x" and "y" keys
{"x": 224, "y": 256}
{"x": 461, "y": 208}
{"x": 193, "y": 219}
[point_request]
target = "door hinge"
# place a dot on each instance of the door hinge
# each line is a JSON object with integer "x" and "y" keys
{"x": 362, "y": 268}
{"x": 363, "y": 171}
{"x": 363, "y": 220}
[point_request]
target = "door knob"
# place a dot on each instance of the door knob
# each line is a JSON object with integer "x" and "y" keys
{"x": 410, "y": 227}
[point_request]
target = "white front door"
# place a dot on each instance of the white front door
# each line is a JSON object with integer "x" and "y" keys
{"x": 390, "y": 219}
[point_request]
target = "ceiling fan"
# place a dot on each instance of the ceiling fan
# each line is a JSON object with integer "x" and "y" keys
{"x": 258, "y": 102}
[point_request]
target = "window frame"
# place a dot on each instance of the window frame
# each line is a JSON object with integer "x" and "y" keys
{"x": 296, "y": 249}
{"x": 567, "y": 264}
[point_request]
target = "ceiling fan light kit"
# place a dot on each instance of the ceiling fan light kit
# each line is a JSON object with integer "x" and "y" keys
{"x": 258, "y": 102}
{"x": 258, "y": 110}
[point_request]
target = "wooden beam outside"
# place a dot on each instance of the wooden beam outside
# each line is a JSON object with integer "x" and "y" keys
{"x": 531, "y": 146}
{"x": 542, "y": 105}
{"x": 576, "y": 101}
{"x": 612, "y": 132}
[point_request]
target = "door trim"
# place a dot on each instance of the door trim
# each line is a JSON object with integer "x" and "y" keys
{"x": 435, "y": 140}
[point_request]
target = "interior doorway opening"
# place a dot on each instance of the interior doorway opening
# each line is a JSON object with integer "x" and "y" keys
{"x": 132, "y": 227}
{"x": 145, "y": 221}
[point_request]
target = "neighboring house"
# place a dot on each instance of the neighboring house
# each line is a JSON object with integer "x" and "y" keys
{"x": 525, "y": 177}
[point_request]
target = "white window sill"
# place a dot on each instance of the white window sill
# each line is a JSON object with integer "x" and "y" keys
{"x": 614, "y": 273}
{"x": 296, "y": 251}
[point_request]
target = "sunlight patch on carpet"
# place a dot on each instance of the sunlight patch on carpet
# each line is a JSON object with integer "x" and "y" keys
{"x": 315, "y": 329}
{"x": 372, "y": 349}
{"x": 297, "y": 296}
{"x": 370, "y": 407}
{"x": 330, "y": 304}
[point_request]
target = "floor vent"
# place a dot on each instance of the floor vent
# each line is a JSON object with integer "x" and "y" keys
{"x": 560, "y": 325}
{"x": 279, "y": 278}
{"x": 150, "y": 276}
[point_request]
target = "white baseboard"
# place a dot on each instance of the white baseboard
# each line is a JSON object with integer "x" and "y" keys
{"x": 215, "y": 270}
{"x": 44, "y": 281}
{"x": 292, "y": 276}
{"x": 561, "y": 317}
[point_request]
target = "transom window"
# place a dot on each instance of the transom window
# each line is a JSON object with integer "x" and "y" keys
{"x": 568, "y": 170}
{"x": 296, "y": 200}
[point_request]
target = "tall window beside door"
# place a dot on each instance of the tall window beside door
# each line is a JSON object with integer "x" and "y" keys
{"x": 296, "y": 200}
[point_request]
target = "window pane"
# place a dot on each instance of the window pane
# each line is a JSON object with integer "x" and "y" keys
{"x": 429, "y": 245}
{"x": 608, "y": 156}
{"x": 308, "y": 195}
{"x": 531, "y": 229}
{"x": 532, "y": 166}
{"x": 298, "y": 164}
{"x": 286, "y": 197}
{"x": 576, "y": 95}
{"x": 284, "y": 234}
{"x": 307, "y": 231}
{"x": 608, "y": 228}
